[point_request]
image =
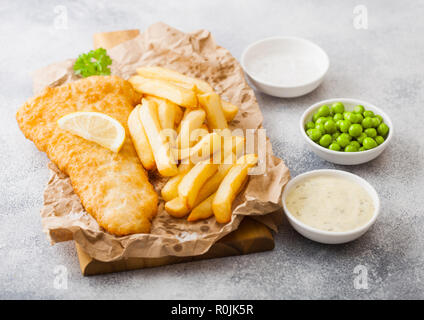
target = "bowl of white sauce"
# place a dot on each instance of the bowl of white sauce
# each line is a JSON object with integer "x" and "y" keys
{"x": 285, "y": 67}
{"x": 330, "y": 206}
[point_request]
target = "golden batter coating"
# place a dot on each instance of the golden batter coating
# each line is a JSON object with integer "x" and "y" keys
{"x": 113, "y": 187}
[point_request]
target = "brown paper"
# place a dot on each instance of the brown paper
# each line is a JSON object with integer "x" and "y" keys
{"x": 194, "y": 54}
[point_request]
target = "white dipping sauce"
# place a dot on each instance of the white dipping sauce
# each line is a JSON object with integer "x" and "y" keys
{"x": 330, "y": 203}
{"x": 285, "y": 68}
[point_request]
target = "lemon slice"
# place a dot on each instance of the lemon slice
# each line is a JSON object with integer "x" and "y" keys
{"x": 95, "y": 126}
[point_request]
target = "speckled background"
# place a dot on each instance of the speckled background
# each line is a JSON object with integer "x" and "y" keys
{"x": 382, "y": 64}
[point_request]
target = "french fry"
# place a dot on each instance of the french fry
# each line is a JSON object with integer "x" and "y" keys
{"x": 187, "y": 86}
{"x": 230, "y": 187}
{"x": 178, "y": 112}
{"x": 184, "y": 115}
{"x": 170, "y": 189}
{"x": 140, "y": 140}
{"x": 206, "y": 147}
{"x": 177, "y": 207}
{"x": 205, "y": 127}
{"x": 164, "y": 159}
{"x": 166, "y": 114}
{"x": 231, "y": 145}
{"x": 197, "y": 134}
{"x": 230, "y": 110}
{"x": 159, "y": 88}
{"x": 178, "y": 115}
{"x": 193, "y": 181}
{"x": 238, "y": 145}
{"x": 211, "y": 103}
{"x": 173, "y": 76}
{"x": 192, "y": 120}
{"x": 203, "y": 210}
{"x": 212, "y": 184}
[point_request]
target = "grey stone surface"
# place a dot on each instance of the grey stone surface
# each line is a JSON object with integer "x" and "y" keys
{"x": 383, "y": 65}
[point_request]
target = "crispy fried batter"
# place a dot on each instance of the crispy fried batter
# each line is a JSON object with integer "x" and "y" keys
{"x": 113, "y": 187}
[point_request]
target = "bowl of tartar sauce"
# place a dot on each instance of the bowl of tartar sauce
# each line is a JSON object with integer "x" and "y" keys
{"x": 285, "y": 67}
{"x": 330, "y": 206}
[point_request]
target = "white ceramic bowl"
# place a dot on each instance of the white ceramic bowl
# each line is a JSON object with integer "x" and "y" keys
{"x": 327, "y": 236}
{"x": 346, "y": 158}
{"x": 287, "y": 47}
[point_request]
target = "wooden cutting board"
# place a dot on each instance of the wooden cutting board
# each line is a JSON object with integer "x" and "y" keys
{"x": 251, "y": 236}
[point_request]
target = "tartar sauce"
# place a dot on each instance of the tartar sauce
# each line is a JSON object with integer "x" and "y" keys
{"x": 330, "y": 203}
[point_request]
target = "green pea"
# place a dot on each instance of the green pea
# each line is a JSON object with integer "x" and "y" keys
{"x": 324, "y": 111}
{"x": 337, "y": 107}
{"x": 349, "y": 116}
{"x": 338, "y": 116}
{"x": 371, "y": 132}
{"x": 335, "y": 135}
{"x": 309, "y": 125}
{"x": 344, "y": 125}
{"x": 369, "y": 143}
{"x": 315, "y": 117}
{"x": 358, "y": 118}
{"x": 367, "y": 122}
{"x": 375, "y": 122}
{"x": 334, "y": 146}
{"x": 314, "y": 134}
{"x": 351, "y": 148}
{"x": 321, "y": 120}
{"x": 379, "y": 117}
{"x": 330, "y": 126}
{"x": 359, "y": 109}
{"x": 361, "y": 149}
{"x": 383, "y": 129}
{"x": 379, "y": 139}
{"x": 355, "y": 130}
{"x": 368, "y": 113}
{"x": 355, "y": 143}
{"x": 325, "y": 140}
{"x": 343, "y": 140}
{"x": 361, "y": 137}
{"x": 320, "y": 127}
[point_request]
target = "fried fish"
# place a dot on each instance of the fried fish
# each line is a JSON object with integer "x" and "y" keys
{"x": 113, "y": 187}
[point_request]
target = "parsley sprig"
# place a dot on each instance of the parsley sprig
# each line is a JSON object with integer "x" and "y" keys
{"x": 93, "y": 63}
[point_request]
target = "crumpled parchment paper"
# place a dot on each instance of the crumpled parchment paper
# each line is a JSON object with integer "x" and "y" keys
{"x": 195, "y": 54}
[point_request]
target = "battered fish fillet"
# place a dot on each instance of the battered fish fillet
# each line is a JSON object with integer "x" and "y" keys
{"x": 113, "y": 187}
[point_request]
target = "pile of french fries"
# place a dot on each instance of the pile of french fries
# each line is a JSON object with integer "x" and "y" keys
{"x": 181, "y": 129}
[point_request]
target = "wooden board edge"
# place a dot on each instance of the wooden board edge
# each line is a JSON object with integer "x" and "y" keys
{"x": 111, "y": 39}
{"x": 251, "y": 236}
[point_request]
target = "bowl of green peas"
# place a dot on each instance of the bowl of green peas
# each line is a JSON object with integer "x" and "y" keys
{"x": 346, "y": 131}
